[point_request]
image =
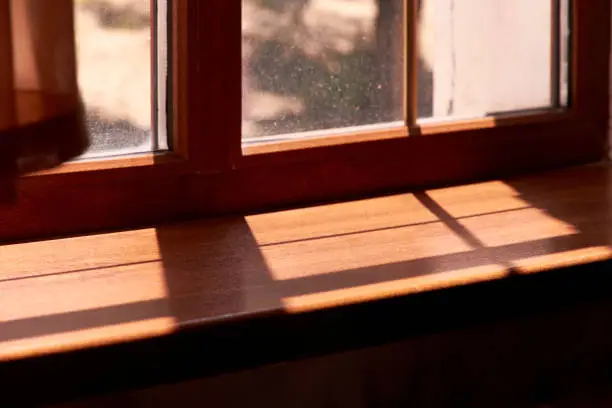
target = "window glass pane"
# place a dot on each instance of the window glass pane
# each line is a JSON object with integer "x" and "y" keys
{"x": 483, "y": 57}
{"x": 114, "y": 48}
{"x": 565, "y": 51}
{"x": 320, "y": 65}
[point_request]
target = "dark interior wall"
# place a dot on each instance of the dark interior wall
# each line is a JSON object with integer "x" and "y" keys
{"x": 558, "y": 355}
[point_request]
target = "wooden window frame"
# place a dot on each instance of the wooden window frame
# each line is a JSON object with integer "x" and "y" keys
{"x": 207, "y": 173}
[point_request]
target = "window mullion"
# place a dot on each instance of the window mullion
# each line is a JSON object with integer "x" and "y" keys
{"x": 411, "y": 18}
{"x": 555, "y": 54}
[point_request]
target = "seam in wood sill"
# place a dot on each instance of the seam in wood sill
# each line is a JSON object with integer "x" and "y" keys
{"x": 74, "y": 293}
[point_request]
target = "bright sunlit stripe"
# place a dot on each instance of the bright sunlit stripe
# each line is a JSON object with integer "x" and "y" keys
{"x": 82, "y": 339}
{"x": 574, "y": 257}
{"x": 303, "y": 303}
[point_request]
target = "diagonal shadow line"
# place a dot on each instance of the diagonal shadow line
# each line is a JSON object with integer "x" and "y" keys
{"x": 143, "y": 310}
{"x": 449, "y": 220}
{"x": 83, "y": 319}
{"x": 391, "y": 228}
{"x": 432, "y": 265}
{"x": 96, "y": 268}
{"x": 455, "y": 226}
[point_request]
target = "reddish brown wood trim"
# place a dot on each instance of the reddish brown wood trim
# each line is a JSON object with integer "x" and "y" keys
{"x": 411, "y": 78}
{"x": 338, "y": 172}
{"x": 591, "y": 67}
{"x": 213, "y": 83}
{"x": 212, "y": 181}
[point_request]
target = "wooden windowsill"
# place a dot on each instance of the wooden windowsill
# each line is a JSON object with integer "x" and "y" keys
{"x": 201, "y": 286}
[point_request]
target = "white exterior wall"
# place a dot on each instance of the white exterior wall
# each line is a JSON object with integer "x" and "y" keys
{"x": 487, "y": 55}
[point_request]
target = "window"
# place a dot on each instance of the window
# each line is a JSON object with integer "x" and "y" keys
{"x": 115, "y": 44}
{"x": 391, "y": 95}
{"x": 331, "y": 65}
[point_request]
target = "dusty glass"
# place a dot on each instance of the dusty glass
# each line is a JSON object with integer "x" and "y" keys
{"x": 115, "y": 45}
{"x": 320, "y": 65}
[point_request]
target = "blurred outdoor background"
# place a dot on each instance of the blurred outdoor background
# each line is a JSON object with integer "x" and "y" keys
{"x": 307, "y": 64}
{"x": 114, "y": 62}
{"x": 329, "y": 64}
{"x": 323, "y": 64}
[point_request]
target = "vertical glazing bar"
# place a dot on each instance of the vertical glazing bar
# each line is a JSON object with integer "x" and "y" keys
{"x": 154, "y": 25}
{"x": 555, "y": 54}
{"x": 178, "y": 59}
{"x": 567, "y": 56}
{"x": 7, "y": 81}
{"x": 411, "y": 14}
{"x": 161, "y": 26}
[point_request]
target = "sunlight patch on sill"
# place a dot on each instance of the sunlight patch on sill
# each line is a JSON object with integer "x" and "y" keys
{"x": 564, "y": 259}
{"x": 362, "y": 250}
{"x": 433, "y": 242}
{"x": 82, "y": 291}
{"x": 478, "y": 199}
{"x": 79, "y": 253}
{"x": 535, "y": 225}
{"x": 82, "y": 339}
{"x": 324, "y": 221}
{"x": 395, "y": 288}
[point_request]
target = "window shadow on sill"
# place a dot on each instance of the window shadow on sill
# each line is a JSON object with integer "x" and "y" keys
{"x": 231, "y": 303}
{"x": 215, "y": 270}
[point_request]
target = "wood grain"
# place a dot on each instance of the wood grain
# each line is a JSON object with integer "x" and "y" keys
{"x": 101, "y": 289}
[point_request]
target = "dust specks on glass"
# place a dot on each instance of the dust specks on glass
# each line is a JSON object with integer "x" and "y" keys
{"x": 114, "y": 47}
{"x": 313, "y": 65}
{"x": 334, "y": 65}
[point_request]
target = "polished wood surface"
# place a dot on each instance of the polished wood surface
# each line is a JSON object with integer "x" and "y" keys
{"x": 91, "y": 290}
